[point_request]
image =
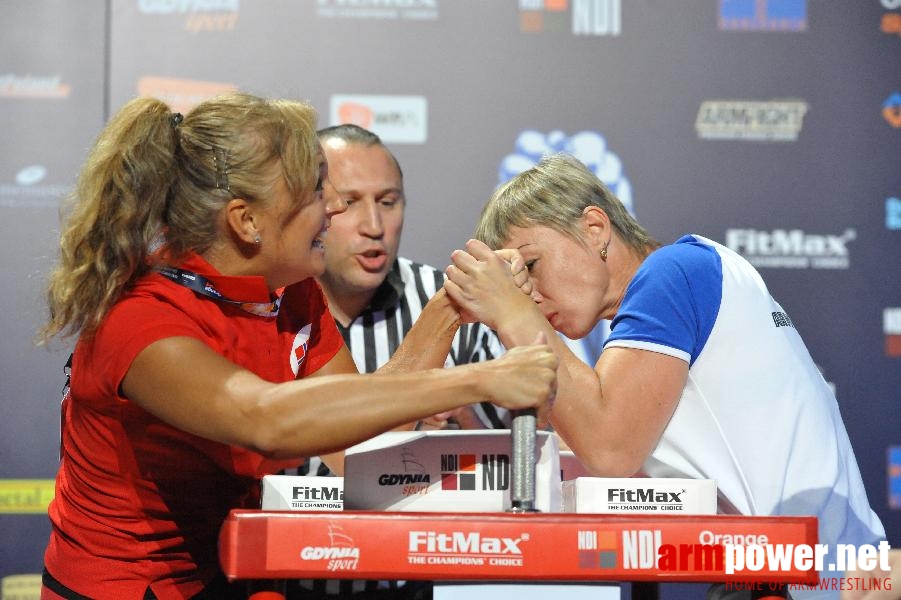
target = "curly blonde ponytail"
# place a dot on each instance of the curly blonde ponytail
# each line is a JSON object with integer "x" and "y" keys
{"x": 118, "y": 207}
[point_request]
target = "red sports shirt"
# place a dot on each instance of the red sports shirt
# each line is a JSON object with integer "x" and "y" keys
{"x": 139, "y": 503}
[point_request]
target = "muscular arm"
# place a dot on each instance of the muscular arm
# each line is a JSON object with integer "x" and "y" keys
{"x": 183, "y": 382}
{"x": 611, "y": 416}
{"x": 429, "y": 340}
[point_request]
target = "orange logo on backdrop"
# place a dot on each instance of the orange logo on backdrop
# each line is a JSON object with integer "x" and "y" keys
{"x": 891, "y": 23}
{"x": 181, "y": 94}
{"x": 892, "y": 114}
{"x": 356, "y": 114}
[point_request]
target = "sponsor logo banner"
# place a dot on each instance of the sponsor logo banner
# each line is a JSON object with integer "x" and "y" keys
{"x": 893, "y": 213}
{"x": 341, "y": 553}
{"x": 891, "y": 328}
{"x": 767, "y": 121}
{"x": 48, "y": 87}
{"x": 792, "y": 249}
{"x": 395, "y": 119}
{"x": 894, "y": 475}
{"x": 181, "y": 94}
{"x": 763, "y": 15}
{"x": 579, "y": 17}
{"x": 891, "y": 21}
{"x": 498, "y": 546}
{"x": 589, "y": 147}
{"x": 26, "y": 496}
{"x": 200, "y": 15}
{"x": 464, "y": 472}
{"x": 29, "y": 191}
{"x": 408, "y": 10}
{"x": 891, "y": 109}
{"x": 20, "y": 587}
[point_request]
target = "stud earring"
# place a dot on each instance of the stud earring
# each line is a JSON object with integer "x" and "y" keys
{"x": 257, "y": 239}
{"x": 604, "y": 252}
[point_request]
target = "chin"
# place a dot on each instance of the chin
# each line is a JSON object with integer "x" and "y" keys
{"x": 575, "y": 332}
{"x": 368, "y": 279}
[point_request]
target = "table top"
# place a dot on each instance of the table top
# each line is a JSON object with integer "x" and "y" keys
{"x": 257, "y": 544}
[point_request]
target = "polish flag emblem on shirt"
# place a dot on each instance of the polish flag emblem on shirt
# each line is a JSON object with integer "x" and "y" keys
{"x": 299, "y": 348}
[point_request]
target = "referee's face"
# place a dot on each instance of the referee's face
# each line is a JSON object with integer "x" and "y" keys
{"x": 362, "y": 242}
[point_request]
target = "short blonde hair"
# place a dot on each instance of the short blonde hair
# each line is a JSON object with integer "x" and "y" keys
{"x": 554, "y": 193}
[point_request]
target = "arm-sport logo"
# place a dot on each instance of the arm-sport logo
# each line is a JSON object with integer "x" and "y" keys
{"x": 751, "y": 120}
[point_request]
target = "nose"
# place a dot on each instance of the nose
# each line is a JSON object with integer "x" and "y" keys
{"x": 537, "y": 298}
{"x": 371, "y": 222}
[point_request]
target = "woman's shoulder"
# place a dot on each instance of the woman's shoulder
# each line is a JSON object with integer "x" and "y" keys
{"x": 690, "y": 254}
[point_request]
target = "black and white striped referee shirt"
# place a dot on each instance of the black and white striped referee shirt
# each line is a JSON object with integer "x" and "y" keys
{"x": 376, "y": 333}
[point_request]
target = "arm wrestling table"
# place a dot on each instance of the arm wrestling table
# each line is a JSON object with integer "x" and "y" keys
{"x": 278, "y": 545}
{"x": 520, "y": 545}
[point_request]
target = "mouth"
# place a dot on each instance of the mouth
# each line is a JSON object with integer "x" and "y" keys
{"x": 373, "y": 259}
{"x": 319, "y": 241}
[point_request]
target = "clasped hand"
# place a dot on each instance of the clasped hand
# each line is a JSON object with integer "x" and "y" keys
{"x": 487, "y": 285}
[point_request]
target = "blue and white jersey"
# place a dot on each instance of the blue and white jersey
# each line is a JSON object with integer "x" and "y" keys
{"x": 756, "y": 414}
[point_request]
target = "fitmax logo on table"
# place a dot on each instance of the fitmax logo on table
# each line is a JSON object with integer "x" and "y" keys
{"x": 470, "y": 548}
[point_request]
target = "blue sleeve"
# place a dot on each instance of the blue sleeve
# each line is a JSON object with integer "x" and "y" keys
{"x": 671, "y": 304}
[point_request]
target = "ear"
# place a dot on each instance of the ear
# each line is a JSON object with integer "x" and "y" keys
{"x": 596, "y": 227}
{"x": 239, "y": 217}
